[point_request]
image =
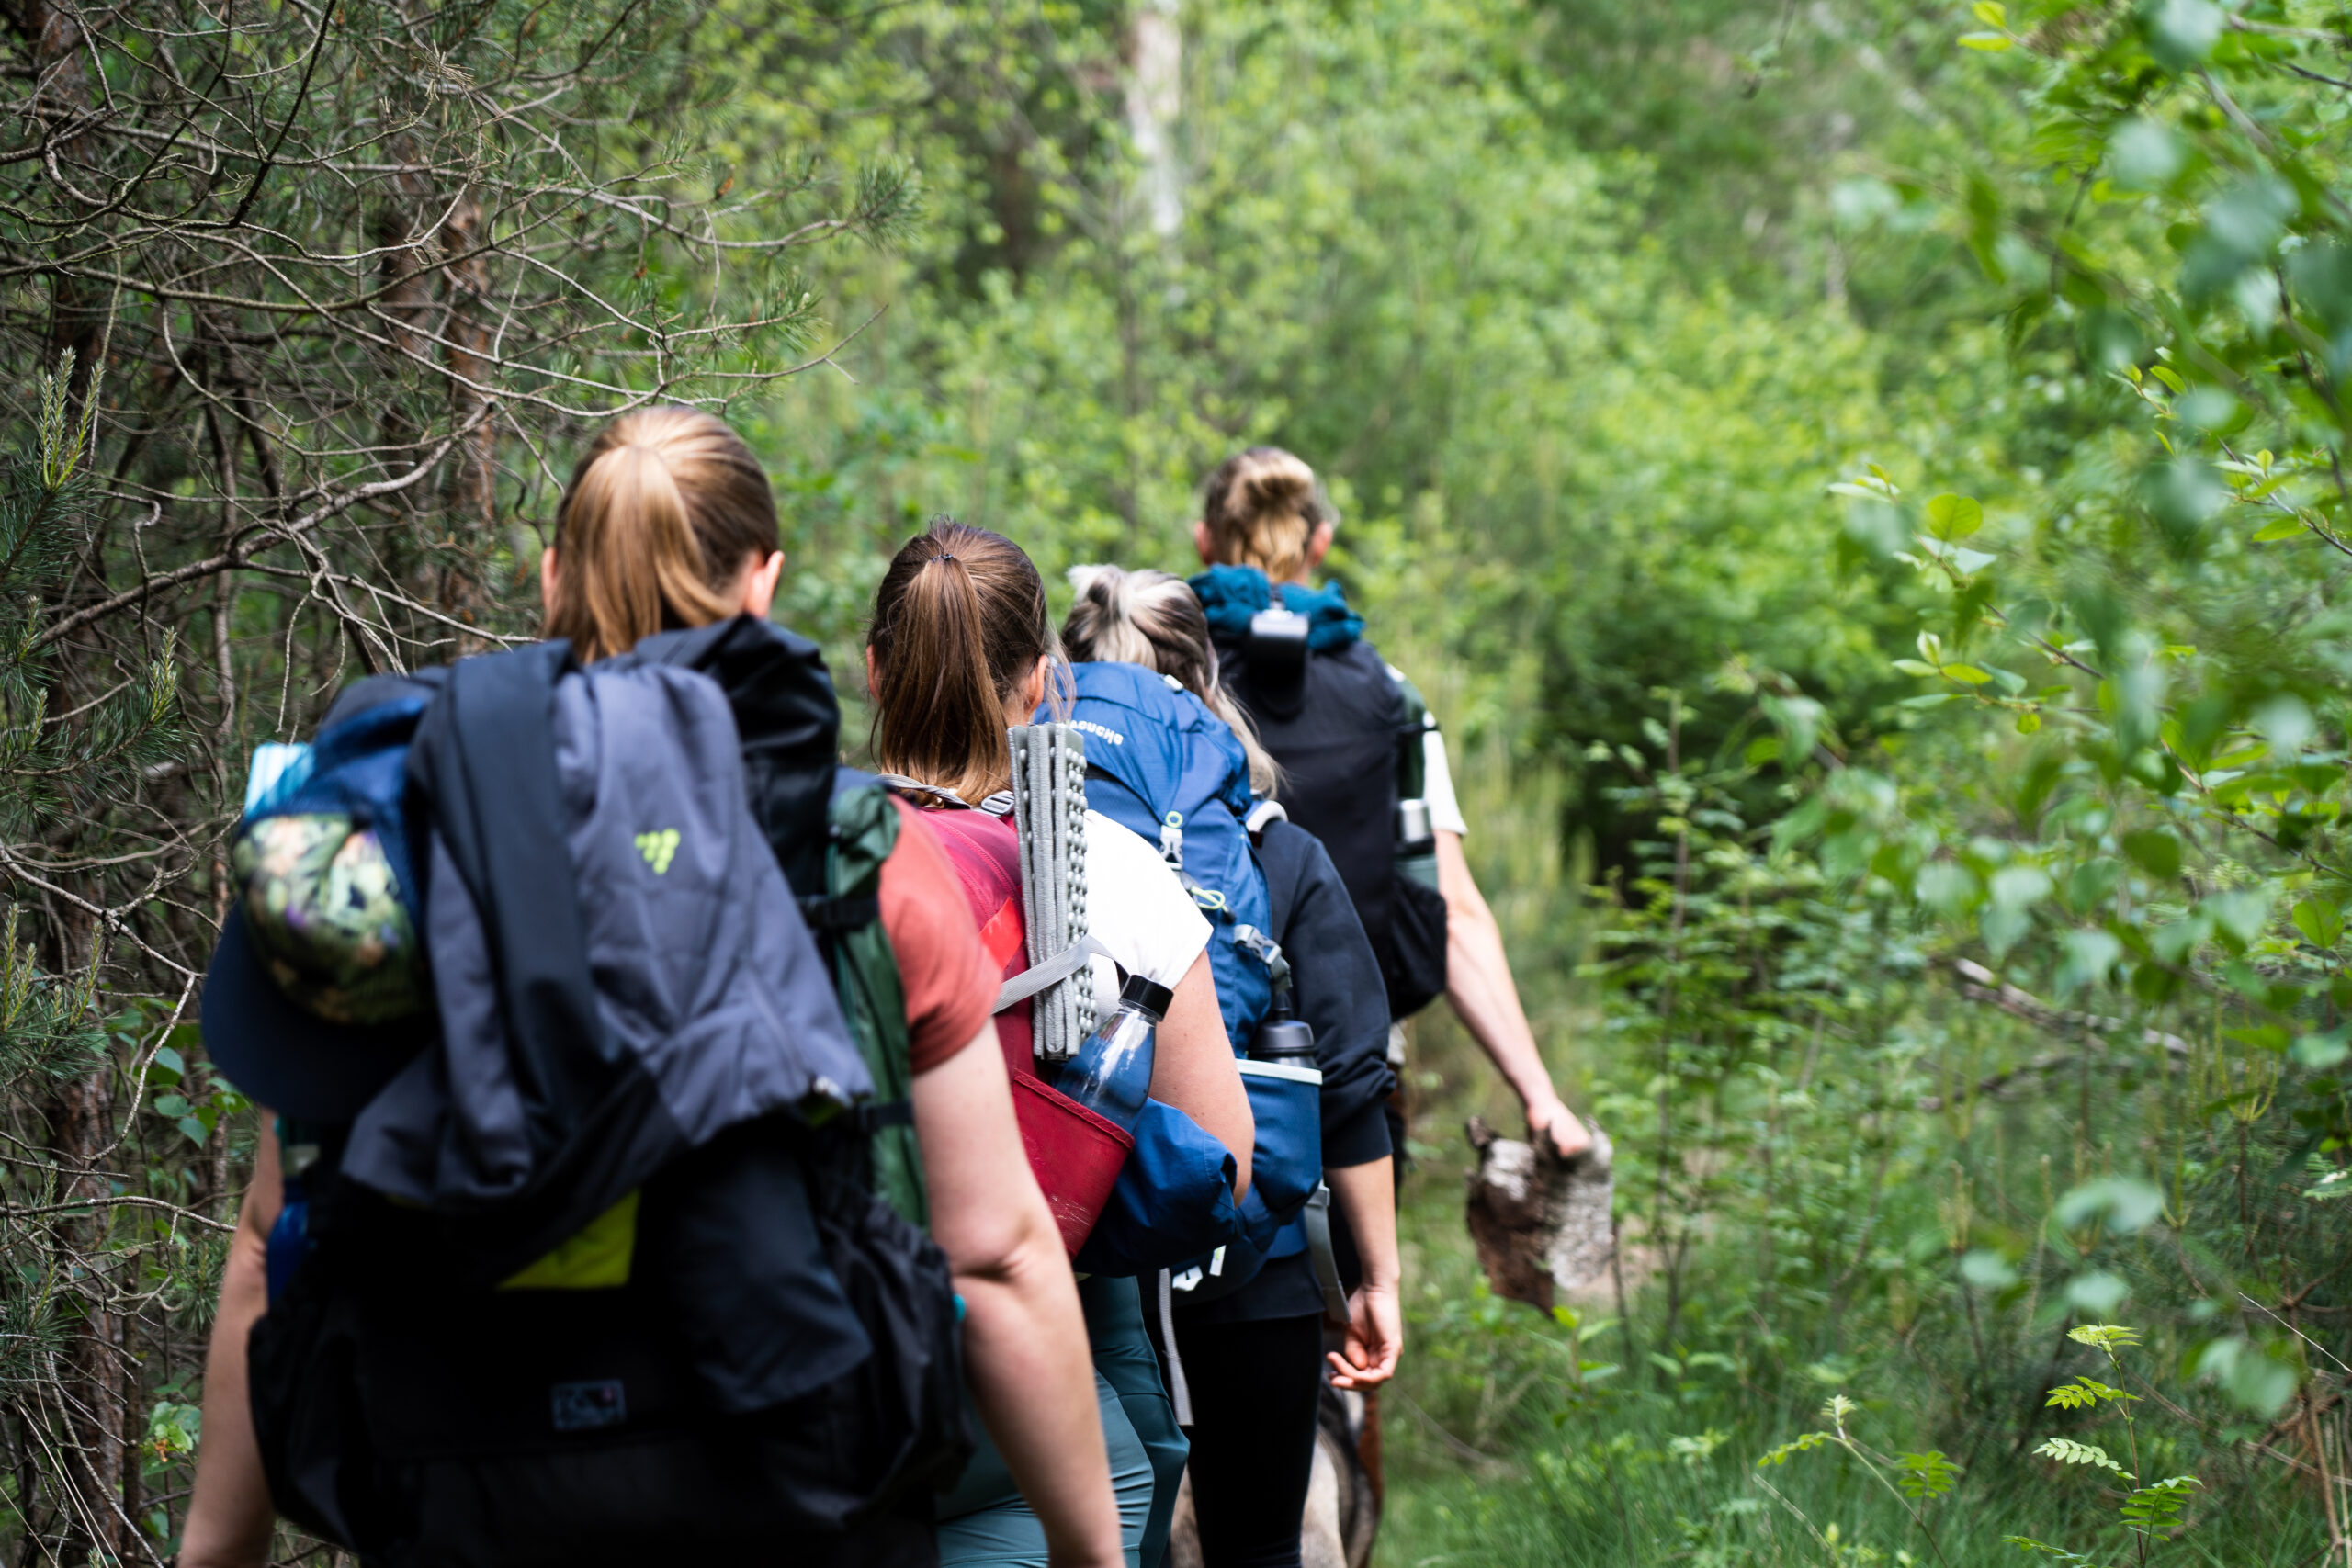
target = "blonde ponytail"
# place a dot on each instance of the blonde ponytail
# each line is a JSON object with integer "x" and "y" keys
{"x": 655, "y": 526}
{"x": 1152, "y": 619}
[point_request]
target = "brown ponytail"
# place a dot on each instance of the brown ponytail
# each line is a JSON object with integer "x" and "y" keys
{"x": 1155, "y": 620}
{"x": 959, "y": 622}
{"x": 1261, "y": 507}
{"x": 654, "y": 527}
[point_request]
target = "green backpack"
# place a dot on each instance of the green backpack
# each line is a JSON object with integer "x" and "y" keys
{"x": 861, "y": 829}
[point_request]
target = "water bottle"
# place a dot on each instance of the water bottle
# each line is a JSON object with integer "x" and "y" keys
{"x": 1284, "y": 1037}
{"x": 1111, "y": 1074}
{"x": 1416, "y": 843}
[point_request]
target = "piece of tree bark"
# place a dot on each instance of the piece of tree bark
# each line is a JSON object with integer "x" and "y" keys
{"x": 1541, "y": 1222}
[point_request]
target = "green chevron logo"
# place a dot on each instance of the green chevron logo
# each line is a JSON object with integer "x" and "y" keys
{"x": 657, "y": 846}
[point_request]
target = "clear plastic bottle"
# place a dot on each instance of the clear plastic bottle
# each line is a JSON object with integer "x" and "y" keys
{"x": 1111, "y": 1074}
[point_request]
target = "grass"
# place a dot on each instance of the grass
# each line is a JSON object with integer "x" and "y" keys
{"x": 1512, "y": 1439}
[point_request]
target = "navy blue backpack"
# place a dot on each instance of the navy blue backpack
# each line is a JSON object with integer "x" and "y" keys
{"x": 1160, "y": 763}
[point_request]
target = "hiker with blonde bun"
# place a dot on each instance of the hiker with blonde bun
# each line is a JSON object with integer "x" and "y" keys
{"x": 1365, "y": 764}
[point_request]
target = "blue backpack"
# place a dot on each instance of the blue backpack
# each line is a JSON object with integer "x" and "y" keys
{"x": 1160, "y": 763}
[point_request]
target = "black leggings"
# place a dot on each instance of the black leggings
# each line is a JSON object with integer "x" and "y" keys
{"x": 1255, "y": 1389}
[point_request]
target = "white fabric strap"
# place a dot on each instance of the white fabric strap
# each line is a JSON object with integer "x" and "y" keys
{"x": 1262, "y": 813}
{"x": 1054, "y": 970}
{"x": 1179, "y": 1393}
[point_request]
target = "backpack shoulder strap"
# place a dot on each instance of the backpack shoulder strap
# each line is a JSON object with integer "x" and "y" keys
{"x": 1412, "y": 765}
{"x": 862, "y": 830}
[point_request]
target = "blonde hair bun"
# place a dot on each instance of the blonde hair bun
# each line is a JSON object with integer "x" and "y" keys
{"x": 1261, "y": 508}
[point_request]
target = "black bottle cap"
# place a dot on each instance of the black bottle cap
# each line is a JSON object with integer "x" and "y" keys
{"x": 1147, "y": 996}
{"x": 1282, "y": 1040}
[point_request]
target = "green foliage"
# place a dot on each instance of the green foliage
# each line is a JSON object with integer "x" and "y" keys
{"x": 2065, "y": 1450}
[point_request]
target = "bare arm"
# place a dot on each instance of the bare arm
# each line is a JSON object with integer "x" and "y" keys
{"x": 1367, "y": 1195}
{"x": 1478, "y": 984}
{"x": 229, "y": 1519}
{"x": 1024, "y": 1338}
{"x": 1192, "y": 1070}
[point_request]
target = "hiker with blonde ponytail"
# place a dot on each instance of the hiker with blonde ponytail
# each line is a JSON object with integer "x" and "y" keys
{"x": 750, "y": 1345}
{"x": 1254, "y": 1357}
{"x": 962, "y": 648}
{"x": 1366, "y": 763}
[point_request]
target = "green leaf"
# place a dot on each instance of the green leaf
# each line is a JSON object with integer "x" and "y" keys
{"x": 2083, "y": 1393}
{"x": 169, "y": 1061}
{"x": 2065, "y": 1450}
{"x": 2091, "y": 956}
{"x": 2027, "y": 722}
{"x": 1991, "y": 43}
{"x": 1954, "y": 517}
{"x": 2020, "y": 887}
{"x": 2156, "y": 1508}
{"x": 1800, "y": 1445}
{"x": 1968, "y": 672}
{"x": 2183, "y": 32}
{"x": 2155, "y": 851}
{"x": 1992, "y": 12}
{"x": 2125, "y": 1203}
{"x": 1925, "y": 1475}
{"x": 2318, "y": 1053}
{"x": 2284, "y": 528}
{"x": 2319, "y": 921}
{"x": 2097, "y": 1292}
{"x": 1987, "y": 1271}
{"x": 2259, "y": 1378}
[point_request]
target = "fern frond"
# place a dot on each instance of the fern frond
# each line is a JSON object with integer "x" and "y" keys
{"x": 2155, "y": 1508}
{"x": 2065, "y": 1450}
{"x": 2083, "y": 1393}
{"x": 1924, "y": 1475}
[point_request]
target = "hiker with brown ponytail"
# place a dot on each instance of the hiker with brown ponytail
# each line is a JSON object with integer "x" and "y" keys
{"x": 1365, "y": 766}
{"x": 717, "y": 1287}
{"x": 962, "y": 648}
{"x": 1254, "y": 1357}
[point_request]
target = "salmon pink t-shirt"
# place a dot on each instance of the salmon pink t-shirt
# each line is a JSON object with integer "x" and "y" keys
{"x": 1137, "y": 909}
{"x": 948, "y": 976}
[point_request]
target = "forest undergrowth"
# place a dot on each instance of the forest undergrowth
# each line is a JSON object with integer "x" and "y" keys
{"x": 1861, "y": 483}
{"x": 1953, "y": 1211}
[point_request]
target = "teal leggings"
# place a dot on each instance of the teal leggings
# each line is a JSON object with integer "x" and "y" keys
{"x": 985, "y": 1522}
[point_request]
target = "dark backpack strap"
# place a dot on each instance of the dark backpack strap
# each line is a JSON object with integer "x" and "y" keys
{"x": 827, "y": 914}
{"x": 485, "y": 757}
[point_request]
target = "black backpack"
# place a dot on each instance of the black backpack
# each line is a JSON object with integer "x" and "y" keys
{"x": 1348, "y": 732}
{"x": 757, "y": 1344}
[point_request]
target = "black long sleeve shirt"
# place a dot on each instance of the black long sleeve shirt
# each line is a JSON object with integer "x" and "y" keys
{"x": 1335, "y": 989}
